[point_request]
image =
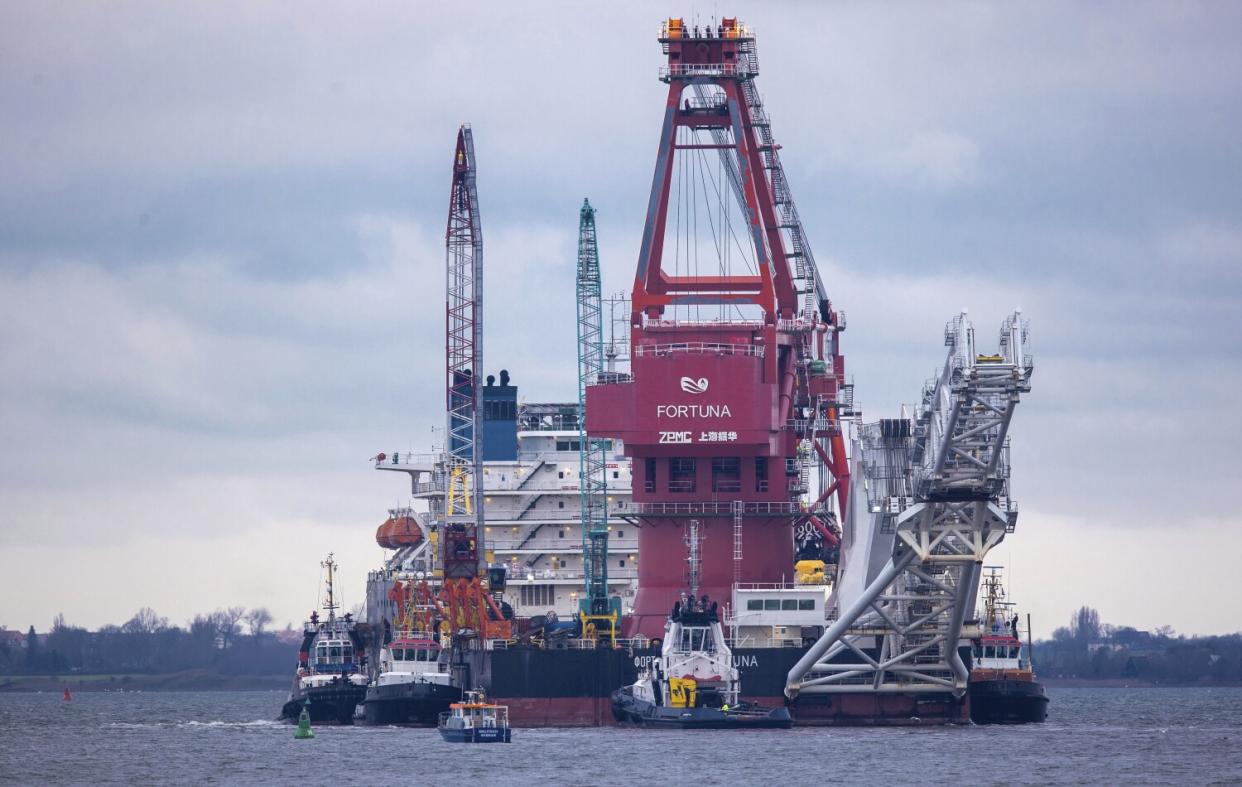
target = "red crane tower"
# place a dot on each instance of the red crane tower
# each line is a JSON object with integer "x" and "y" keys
{"x": 464, "y": 601}
{"x": 736, "y": 385}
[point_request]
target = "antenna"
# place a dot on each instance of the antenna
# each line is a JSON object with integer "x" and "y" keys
{"x": 694, "y": 549}
{"x": 330, "y": 565}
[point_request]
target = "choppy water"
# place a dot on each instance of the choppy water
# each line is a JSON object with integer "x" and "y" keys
{"x": 1093, "y": 736}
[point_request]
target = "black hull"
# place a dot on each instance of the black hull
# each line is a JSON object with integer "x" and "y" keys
{"x": 328, "y": 704}
{"x": 408, "y": 703}
{"x": 573, "y": 687}
{"x": 1007, "y": 702}
{"x": 627, "y": 709}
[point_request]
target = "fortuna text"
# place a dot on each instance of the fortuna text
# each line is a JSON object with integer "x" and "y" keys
{"x": 693, "y": 411}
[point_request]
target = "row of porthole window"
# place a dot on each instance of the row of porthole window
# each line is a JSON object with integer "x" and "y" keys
{"x": 780, "y": 604}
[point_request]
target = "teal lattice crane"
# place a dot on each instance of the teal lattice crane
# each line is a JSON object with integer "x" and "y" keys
{"x": 597, "y": 612}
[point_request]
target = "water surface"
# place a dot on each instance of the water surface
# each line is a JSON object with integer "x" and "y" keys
{"x": 1093, "y": 736}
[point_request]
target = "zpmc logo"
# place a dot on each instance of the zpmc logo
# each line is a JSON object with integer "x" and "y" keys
{"x": 691, "y": 385}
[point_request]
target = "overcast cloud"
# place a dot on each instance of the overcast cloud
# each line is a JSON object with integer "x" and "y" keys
{"x": 221, "y": 267}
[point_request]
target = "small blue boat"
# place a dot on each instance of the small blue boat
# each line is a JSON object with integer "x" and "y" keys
{"x": 475, "y": 720}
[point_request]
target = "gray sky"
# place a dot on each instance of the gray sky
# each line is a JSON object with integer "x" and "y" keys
{"x": 221, "y": 267}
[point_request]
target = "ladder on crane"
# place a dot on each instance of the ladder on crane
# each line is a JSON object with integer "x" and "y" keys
{"x": 598, "y": 612}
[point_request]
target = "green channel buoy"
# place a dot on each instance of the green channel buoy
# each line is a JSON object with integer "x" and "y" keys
{"x": 304, "y": 731}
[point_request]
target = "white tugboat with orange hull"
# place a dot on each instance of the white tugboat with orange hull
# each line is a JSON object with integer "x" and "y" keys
{"x": 475, "y": 720}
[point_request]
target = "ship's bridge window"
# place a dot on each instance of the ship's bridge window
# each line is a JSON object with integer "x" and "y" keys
{"x": 789, "y": 604}
{"x": 805, "y": 604}
{"x": 753, "y": 604}
{"x": 772, "y": 604}
{"x": 697, "y": 638}
{"x": 989, "y": 652}
{"x": 334, "y": 653}
{"x": 1013, "y": 653}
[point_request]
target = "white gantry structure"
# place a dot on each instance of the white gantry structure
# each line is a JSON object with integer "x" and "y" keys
{"x": 929, "y": 498}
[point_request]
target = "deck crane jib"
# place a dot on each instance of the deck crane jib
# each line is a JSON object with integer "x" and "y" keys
{"x": 466, "y": 600}
{"x": 736, "y": 388}
{"x": 931, "y": 499}
{"x": 463, "y": 505}
{"x": 598, "y": 612}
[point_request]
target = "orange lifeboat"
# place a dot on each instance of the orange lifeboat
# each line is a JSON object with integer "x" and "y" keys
{"x": 398, "y": 531}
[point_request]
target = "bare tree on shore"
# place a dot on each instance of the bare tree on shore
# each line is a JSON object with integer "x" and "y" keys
{"x": 258, "y": 619}
{"x": 145, "y": 621}
{"x": 226, "y": 621}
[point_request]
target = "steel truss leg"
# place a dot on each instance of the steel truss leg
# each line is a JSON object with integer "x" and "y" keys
{"x": 834, "y": 633}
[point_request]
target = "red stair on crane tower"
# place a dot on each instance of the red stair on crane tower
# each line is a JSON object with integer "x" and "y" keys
{"x": 721, "y": 416}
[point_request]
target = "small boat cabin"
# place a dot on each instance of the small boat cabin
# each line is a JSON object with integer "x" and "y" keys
{"x": 475, "y": 712}
{"x": 475, "y": 720}
{"x": 334, "y": 656}
{"x": 999, "y": 653}
{"x": 414, "y": 655}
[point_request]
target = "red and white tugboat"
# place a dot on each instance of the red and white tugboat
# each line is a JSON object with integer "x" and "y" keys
{"x": 331, "y": 672}
{"x": 1003, "y": 689}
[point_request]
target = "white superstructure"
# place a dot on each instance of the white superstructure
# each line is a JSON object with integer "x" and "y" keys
{"x": 532, "y": 518}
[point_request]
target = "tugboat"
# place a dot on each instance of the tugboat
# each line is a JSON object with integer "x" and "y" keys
{"x": 475, "y": 720}
{"x": 693, "y": 684}
{"x": 413, "y": 686}
{"x": 1003, "y": 689}
{"x": 333, "y": 680}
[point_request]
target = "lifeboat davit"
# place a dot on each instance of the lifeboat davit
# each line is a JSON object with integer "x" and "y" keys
{"x": 398, "y": 531}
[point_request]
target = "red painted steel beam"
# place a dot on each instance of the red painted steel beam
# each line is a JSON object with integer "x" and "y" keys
{"x": 832, "y": 538}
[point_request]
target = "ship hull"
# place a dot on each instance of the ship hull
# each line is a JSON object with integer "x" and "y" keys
{"x": 628, "y": 709}
{"x": 332, "y": 704}
{"x": 1005, "y": 701}
{"x": 476, "y": 735}
{"x": 551, "y": 687}
{"x": 414, "y": 704}
{"x": 573, "y": 688}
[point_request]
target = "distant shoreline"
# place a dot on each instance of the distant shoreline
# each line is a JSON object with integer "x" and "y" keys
{"x": 1126, "y": 683}
{"x": 194, "y": 680}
